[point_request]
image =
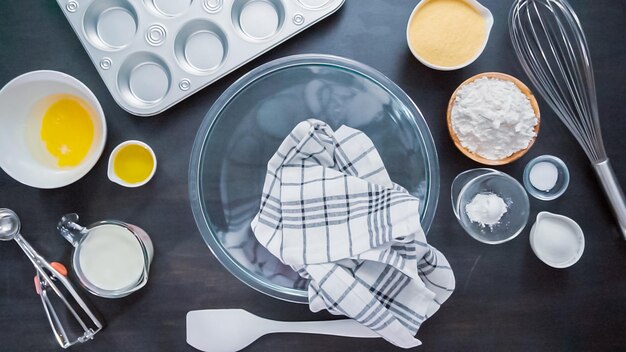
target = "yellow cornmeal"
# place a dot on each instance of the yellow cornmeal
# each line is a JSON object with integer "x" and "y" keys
{"x": 447, "y": 33}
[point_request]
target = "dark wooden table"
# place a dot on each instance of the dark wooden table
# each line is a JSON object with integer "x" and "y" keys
{"x": 506, "y": 299}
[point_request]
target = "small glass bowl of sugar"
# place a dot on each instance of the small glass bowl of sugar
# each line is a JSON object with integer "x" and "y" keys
{"x": 546, "y": 177}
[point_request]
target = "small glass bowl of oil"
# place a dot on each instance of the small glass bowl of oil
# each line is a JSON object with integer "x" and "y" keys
{"x": 132, "y": 164}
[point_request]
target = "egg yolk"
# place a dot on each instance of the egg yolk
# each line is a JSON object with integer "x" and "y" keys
{"x": 133, "y": 163}
{"x": 67, "y": 131}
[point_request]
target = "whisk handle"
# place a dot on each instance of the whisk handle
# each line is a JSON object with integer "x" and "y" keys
{"x": 613, "y": 192}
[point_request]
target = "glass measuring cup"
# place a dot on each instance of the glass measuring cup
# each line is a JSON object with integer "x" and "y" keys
{"x": 472, "y": 182}
{"x": 111, "y": 258}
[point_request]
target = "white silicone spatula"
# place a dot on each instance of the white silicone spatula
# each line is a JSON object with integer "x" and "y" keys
{"x": 229, "y": 330}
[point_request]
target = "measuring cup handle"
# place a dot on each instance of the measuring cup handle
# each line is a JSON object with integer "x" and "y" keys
{"x": 69, "y": 228}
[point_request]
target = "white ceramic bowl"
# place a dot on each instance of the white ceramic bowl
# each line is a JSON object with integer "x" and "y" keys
{"x": 22, "y": 101}
{"x": 488, "y": 24}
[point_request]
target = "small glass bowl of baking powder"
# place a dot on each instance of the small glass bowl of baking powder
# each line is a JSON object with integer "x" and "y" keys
{"x": 490, "y": 205}
{"x": 546, "y": 177}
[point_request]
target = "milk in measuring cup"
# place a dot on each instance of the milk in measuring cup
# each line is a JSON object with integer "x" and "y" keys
{"x": 111, "y": 258}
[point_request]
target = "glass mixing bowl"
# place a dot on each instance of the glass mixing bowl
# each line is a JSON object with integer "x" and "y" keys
{"x": 248, "y": 122}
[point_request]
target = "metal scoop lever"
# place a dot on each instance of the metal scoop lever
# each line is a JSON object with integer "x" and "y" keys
{"x": 49, "y": 277}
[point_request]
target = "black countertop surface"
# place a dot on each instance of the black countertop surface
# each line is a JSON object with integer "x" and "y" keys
{"x": 506, "y": 299}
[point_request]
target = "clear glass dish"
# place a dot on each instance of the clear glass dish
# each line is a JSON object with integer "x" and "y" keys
{"x": 248, "y": 122}
{"x": 562, "y": 181}
{"x": 472, "y": 182}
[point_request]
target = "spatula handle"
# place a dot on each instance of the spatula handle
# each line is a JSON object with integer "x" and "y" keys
{"x": 343, "y": 327}
{"x": 613, "y": 192}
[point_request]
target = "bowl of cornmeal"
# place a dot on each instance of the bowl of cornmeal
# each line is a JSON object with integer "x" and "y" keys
{"x": 448, "y": 34}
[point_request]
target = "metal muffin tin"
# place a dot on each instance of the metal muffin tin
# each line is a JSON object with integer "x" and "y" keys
{"x": 152, "y": 54}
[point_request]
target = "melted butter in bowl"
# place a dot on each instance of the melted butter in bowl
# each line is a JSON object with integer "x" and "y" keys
{"x": 448, "y": 34}
{"x": 53, "y": 129}
{"x": 67, "y": 130}
{"x": 62, "y": 131}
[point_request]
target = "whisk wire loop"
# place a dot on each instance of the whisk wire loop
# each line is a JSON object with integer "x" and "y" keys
{"x": 552, "y": 47}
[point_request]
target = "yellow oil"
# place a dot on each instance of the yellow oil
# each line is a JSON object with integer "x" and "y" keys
{"x": 133, "y": 163}
{"x": 67, "y": 131}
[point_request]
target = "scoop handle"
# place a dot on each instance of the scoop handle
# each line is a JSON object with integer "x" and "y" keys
{"x": 613, "y": 192}
{"x": 40, "y": 264}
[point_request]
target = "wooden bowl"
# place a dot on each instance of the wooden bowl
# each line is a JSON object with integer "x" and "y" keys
{"x": 474, "y": 156}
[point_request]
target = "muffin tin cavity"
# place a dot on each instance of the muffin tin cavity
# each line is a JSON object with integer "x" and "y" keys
{"x": 110, "y": 24}
{"x": 200, "y": 47}
{"x": 168, "y": 8}
{"x": 152, "y": 54}
{"x": 258, "y": 19}
{"x": 314, "y": 4}
{"x": 144, "y": 79}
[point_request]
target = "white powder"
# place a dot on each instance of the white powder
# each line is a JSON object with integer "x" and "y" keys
{"x": 543, "y": 176}
{"x": 493, "y": 118}
{"x": 486, "y": 209}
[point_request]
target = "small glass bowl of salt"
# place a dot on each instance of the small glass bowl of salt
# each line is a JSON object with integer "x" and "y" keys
{"x": 546, "y": 177}
{"x": 490, "y": 205}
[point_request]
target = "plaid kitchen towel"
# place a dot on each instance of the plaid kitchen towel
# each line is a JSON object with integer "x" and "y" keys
{"x": 331, "y": 212}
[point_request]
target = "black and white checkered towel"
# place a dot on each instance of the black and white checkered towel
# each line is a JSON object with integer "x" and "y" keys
{"x": 331, "y": 212}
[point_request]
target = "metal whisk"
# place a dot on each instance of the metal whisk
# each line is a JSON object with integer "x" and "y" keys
{"x": 552, "y": 48}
